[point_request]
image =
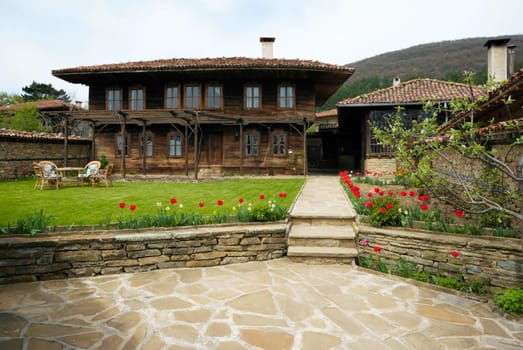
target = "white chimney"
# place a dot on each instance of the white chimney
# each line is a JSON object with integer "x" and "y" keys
{"x": 266, "y": 45}
{"x": 396, "y": 82}
{"x": 497, "y": 59}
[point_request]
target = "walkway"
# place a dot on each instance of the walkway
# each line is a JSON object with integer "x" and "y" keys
{"x": 272, "y": 305}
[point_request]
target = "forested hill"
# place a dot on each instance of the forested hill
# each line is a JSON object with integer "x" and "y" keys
{"x": 444, "y": 60}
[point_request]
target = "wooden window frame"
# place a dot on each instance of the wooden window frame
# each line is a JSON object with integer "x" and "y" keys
{"x": 246, "y": 98}
{"x": 107, "y": 100}
{"x": 247, "y": 151}
{"x": 131, "y": 100}
{"x": 185, "y": 95}
{"x": 175, "y": 134}
{"x": 293, "y": 100}
{"x": 127, "y": 146}
{"x": 166, "y": 97}
{"x": 213, "y": 85}
{"x": 279, "y": 152}
{"x": 143, "y": 145}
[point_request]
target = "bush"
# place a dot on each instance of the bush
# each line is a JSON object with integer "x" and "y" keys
{"x": 385, "y": 211}
{"x": 510, "y": 301}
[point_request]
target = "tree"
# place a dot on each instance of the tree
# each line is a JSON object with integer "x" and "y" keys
{"x": 7, "y": 99}
{"x": 39, "y": 91}
{"x": 460, "y": 166}
{"x": 27, "y": 119}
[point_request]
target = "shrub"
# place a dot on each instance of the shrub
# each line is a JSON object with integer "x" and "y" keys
{"x": 510, "y": 301}
{"x": 385, "y": 211}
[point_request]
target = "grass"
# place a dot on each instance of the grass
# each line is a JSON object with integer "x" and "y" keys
{"x": 72, "y": 205}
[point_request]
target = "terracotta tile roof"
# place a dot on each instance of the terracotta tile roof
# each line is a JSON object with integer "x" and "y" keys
{"x": 414, "y": 91}
{"x": 207, "y": 63}
{"x": 328, "y": 113}
{"x": 33, "y": 135}
{"x": 43, "y": 105}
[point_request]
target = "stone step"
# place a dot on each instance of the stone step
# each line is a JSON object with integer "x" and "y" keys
{"x": 321, "y": 255}
{"x": 322, "y": 236}
{"x": 322, "y": 220}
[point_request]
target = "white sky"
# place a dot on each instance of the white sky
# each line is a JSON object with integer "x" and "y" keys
{"x": 38, "y": 36}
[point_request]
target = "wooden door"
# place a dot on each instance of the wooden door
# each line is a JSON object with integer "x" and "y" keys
{"x": 212, "y": 149}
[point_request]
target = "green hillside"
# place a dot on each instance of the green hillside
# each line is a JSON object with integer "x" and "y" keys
{"x": 444, "y": 60}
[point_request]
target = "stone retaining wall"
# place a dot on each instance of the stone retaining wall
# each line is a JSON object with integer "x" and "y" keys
{"x": 54, "y": 256}
{"x": 494, "y": 260}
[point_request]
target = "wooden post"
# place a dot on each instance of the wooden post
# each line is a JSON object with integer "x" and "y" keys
{"x": 186, "y": 151}
{"x": 196, "y": 126}
{"x": 305, "y": 167}
{"x": 93, "y": 143}
{"x": 144, "y": 150}
{"x": 241, "y": 148}
{"x": 66, "y": 137}
{"x": 124, "y": 142}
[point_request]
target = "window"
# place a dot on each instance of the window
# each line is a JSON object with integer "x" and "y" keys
{"x": 251, "y": 143}
{"x": 279, "y": 143}
{"x": 172, "y": 97}
{"x": 192, "y": 96}
{"x": 120, "y": 146}
{"x": 214, "y": 96}
{"x": 147, "y": 145}
{"x": 175, "y": 145}
{"x": 286, "y": 96}
{"x": 137, "y": 98}
{"x": 252, "y": 97}
{"x": 114, "y": 99}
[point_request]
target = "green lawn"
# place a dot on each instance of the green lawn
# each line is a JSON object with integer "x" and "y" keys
{"x": 72, "y": 205}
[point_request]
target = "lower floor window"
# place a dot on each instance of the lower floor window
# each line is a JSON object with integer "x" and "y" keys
{"x": 279, "y": 144}
{"x": 147, "y": 145}
{"x": 122, "y": 148}
{"x": 175, "y": 145}
{"x": 251, "y": 144}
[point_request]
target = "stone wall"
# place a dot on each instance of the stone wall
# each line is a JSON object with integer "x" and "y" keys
{"x": 54, "y": 256}
{"x": 494, "y": 260}
{"x": 18, "y": 152}
{"x": 382, "y": 165}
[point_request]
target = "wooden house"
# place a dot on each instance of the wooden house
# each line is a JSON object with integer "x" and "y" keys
{"x": 205, "y": 116}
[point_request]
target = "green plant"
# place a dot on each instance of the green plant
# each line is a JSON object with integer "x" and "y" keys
{"x": 422, "y": 276}
{"x": 34, "y": 223}
{"x": 510, "y": 301}
{"x": 386, "y": 211}
{"x": 450, "y": 282}
{"x": 103, "y": 161}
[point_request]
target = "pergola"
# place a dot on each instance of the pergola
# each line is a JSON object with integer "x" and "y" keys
{"x": 189, "y": 120}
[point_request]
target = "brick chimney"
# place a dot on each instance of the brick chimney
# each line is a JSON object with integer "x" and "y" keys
{"x": 497, "y": 58}
{"x": 266, "y": 45}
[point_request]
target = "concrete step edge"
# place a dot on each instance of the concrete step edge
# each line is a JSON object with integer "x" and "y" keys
{"x": 322, "y": 251}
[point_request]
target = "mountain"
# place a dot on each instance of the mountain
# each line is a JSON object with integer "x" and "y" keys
{"x": 445, "y": 60}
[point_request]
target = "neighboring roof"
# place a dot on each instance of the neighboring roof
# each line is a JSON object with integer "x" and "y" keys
{"x": 414, "y": 91}
{"x": 182, "y": 64}
{"x": 43, "y": 105}
{"x": 329, "y": 113}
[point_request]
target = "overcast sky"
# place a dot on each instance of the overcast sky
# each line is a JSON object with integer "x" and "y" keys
{"x": 38, "y": 36}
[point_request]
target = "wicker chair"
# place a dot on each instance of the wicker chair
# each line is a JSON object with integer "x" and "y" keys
{"x": 104, "y": 175}
{"x": 51, "y": 176}
{"x": 39, "y": 179}
{"x": 90, "y": 171}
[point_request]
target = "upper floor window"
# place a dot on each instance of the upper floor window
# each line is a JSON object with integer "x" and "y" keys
{"x": 175, "y": 144}
{"x": 192, "y": 96}
{"x": 214, "y": 96}
{"x": 137, "y": 98}
{"x": 113, "y": 99}
{"x": 252, "y": 97}
{"x": 251, "y": 143}
{"x": 172, "y": 96}
{"x": 279, "y": 143}
{"x": 286, "y": 96}
{"x": 147, "y": 145}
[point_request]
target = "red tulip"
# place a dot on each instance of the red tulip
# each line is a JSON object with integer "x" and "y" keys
{"x": 369, "y": 204}
{"x": 424, "y": 207}
{"x": 454, "y": 254}
{"x": 201, "y": 204}
{"x": 391, "y": 193}
{"x": 262, "y": 196}
{"x": 383, "y": 210}
{"x": 412, "y": 193}
{"x": 377, "y": 249}
{"x": 132, "y": 207}
{"x": 241, "y": 200}
{"x": 376, "y": 189}
{"x": 382, "y": 193}
{"x": 389, "y": 205}
{"x": 220, "y": 202}
{"x": 403, "y": 193}
{"x": 460, "y": 213}
{"x": 122, "y": 205}
{"x": 173, "y": 201}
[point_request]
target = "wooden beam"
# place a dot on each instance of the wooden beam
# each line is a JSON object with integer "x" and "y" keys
{"x": 185, "y": 150}
{"x": 241, "y": 148}
{"x": 196, "y": 126}
{"x": 122, "y": 118}
{"x": 66, "y": 138}
{"x": 144, "y": 149}
{"x": 305, "y": 165}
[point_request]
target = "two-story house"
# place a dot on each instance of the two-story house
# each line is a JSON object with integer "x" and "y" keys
{"x": 221, "y": 115}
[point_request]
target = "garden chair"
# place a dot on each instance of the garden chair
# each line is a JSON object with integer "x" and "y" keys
{"x": 50, "y": 174}
{"x": 104, "y": 175}
{"x": 38, "y": 175}
{"x": 90, "y": 171}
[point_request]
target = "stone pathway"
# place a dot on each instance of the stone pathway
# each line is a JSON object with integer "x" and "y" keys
{"x": 272, "y": 305}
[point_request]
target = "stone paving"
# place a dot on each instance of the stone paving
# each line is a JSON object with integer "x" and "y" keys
{"x": 260, "y": 305}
